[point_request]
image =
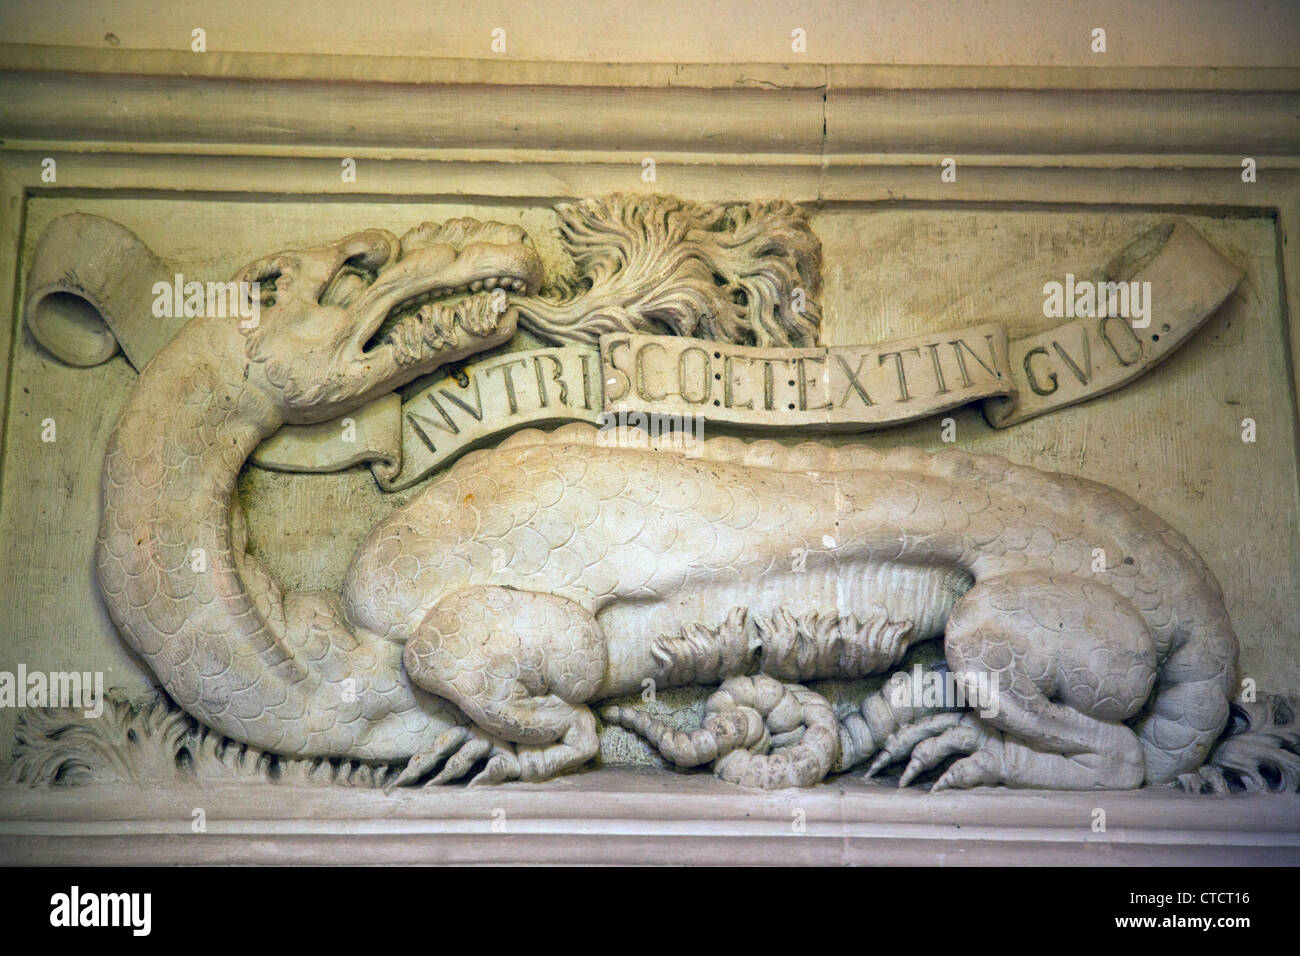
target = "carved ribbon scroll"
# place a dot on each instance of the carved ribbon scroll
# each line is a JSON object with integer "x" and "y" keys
{"x": 90, "y": 288}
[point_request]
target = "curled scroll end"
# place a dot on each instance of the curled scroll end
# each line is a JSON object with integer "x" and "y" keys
{"x": 90, "y": 292}
{"x": 1184, "y": 278}
{"x": 69, "y": 326}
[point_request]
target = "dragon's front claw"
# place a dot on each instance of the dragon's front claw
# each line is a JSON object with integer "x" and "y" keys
{"x": 527, "y": 762}
{"x": 421, "y": 763}
{"x": 461, "y": 747}
{"x": 475, "y": 748}
{"x": 502, "y": 767}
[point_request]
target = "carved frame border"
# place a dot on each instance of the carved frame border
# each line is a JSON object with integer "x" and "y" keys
{"x": 823, "y": 135}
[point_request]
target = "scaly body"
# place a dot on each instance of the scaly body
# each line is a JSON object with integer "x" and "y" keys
{"x": 626, "y": 545}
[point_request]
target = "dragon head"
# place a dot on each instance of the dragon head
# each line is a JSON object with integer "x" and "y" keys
{"x": 344, "y": 323}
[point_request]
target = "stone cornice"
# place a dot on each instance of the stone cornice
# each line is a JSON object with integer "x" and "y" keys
{"x": 801, "y": 115}
{"x": 629, "y": 817}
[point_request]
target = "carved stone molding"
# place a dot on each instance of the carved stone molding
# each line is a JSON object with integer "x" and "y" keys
{"x": 638, "y": 819}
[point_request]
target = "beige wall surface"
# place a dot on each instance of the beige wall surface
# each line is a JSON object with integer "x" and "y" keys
{"x": 951, "y": 32}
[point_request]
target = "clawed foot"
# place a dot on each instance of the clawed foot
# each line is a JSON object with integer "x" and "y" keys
{"x": 939, "y": 737}
{"x": 461, "y": 747}
{"x": 903, "y": 741}
{"x": 982, "y": 765}
{"x": 520, "y": 762}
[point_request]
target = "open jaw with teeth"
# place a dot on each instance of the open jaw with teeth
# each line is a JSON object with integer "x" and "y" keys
{"x": 428, "y": 321}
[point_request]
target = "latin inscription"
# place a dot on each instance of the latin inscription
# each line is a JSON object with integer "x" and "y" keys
{"x": 857, "y": 386}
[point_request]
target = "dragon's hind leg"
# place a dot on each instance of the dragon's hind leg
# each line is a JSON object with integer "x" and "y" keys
{"x": 1063, "y": 662}
{"x": 521, "y": 665}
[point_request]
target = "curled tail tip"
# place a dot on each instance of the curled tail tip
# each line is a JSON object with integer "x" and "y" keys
{"x": 741, "y": 719}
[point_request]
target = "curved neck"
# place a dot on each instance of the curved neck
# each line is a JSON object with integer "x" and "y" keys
{"x": 190, "y": 424}
{"x": 281, "y": 672}
{"x": 171, "y": 574}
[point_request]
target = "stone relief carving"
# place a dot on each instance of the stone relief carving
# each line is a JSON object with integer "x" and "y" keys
{"x": 706, "y": 270}
{"x": 481, "y": 623}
